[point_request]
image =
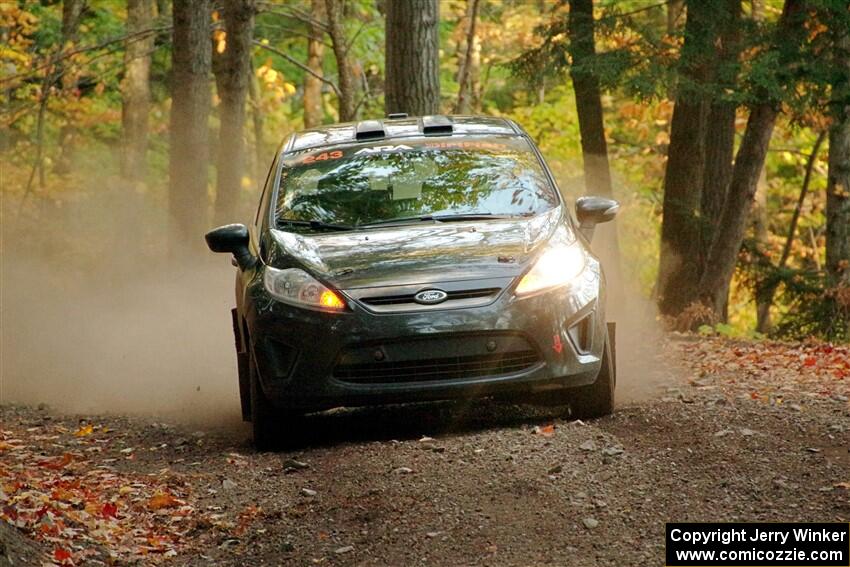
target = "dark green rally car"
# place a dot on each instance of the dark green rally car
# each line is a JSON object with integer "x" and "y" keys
{"x": 413, "y": 259}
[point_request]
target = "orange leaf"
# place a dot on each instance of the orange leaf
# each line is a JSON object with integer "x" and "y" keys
{"x": 161, "y": 500}
{"x": 56, "y": 464}
{"x": 61, "y": 555}
{"x": 546, "y": 430}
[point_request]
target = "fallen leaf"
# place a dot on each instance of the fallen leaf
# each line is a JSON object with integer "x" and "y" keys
{"x": 545, "y": 430}
{"x": 84, "y": 430}
{"x": 162, "y": 500}
{"x": 109, "y": 510}
{"x": 59, "y": 463}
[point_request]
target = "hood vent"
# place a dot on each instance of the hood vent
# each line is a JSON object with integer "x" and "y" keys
{"x": 370, "y": 130}
{"x": 436, "y": 125}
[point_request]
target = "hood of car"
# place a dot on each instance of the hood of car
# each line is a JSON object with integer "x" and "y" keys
{"x": 420, "y": 253}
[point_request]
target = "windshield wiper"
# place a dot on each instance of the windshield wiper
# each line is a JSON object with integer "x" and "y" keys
{"x": 314, "y": 224}
{"x": 471, "y": 216}
{"x": 437, "y": 218}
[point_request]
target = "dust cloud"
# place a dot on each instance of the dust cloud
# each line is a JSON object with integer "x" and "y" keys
{"x": 641, "y": 366}
{"x": 94, "y": 321}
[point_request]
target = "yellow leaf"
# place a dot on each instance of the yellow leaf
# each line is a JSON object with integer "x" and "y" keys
{"x": 84, "y": 430}
{"x": 270, "y": 76}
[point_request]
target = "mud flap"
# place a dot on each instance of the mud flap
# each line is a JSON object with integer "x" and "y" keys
{"x": 242, "y": 363}
{"x": 612, "y": 341}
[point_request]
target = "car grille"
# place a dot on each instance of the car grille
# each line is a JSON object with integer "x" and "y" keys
{"x": 432, "y": 369}
{"x": 450, "y": 296}
{"x": 401, "y": 298}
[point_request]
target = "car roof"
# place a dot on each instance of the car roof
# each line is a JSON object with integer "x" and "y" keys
{"x": 399, "y": 126}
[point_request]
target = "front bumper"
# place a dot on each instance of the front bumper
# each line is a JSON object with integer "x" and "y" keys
{"x": 312, "y": 360}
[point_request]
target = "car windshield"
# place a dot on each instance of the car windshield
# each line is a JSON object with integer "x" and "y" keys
{"x": 412, "y": 180}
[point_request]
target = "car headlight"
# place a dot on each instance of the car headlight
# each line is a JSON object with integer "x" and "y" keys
{"x": 297, "y": 287}
{"x": 557, "y": 266}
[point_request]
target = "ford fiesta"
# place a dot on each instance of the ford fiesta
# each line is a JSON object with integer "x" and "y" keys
{"x": 413, "y": 259}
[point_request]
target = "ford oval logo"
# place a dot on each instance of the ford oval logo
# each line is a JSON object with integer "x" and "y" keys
{"x": 430, "y": 296}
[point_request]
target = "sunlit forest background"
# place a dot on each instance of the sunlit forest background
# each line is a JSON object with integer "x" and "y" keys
{"x": 87, "y": 97}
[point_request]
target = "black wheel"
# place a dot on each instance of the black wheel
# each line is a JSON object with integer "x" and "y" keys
{"x": 597, "y": 399}
{"x": 266, "y": 421}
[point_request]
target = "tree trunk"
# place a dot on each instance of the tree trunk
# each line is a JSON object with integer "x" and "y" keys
{"x": 717, "y": 173}
{"x": 838, "y": 183}
{"x": 257, "y": 118}
{"x": 720, "y": 125}
{"x": 72, "y": 11}
{"x": 345, "y": 80}
{"x": 761, "y": 237}
{"x": 465, "y": 71}
{"x": 475, "y": 77}
{"x": 594, "y": 149}
{"x": 675, "y": 8}
{"x": 136, "y": 92}
{"x": 190, "y": 107}
{"x": 313, "y": 111}
{"x": 749, "y": 161}
{"x": 720, "y": 130}
{"x": 412, "y": 57}
{"x": 679, "y": 262}
{"x": 233, "y": 76}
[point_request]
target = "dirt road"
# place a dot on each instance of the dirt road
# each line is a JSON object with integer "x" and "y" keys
{"x": 744, "y": 433}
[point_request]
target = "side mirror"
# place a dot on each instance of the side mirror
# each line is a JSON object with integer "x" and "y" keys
{"x": 591, "y": 211}
{"x": 232, "y": 238}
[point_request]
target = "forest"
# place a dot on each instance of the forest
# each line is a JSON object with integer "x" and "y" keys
{"x": 723, "y": 126}
{"x": 130, "y": 128}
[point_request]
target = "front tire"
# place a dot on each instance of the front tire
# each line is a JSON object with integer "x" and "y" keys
{"x": 592, "y": 400}
{"x": 597, "y": 399}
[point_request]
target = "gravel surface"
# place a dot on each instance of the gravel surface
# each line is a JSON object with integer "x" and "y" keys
{"x": 463, "y": 484}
